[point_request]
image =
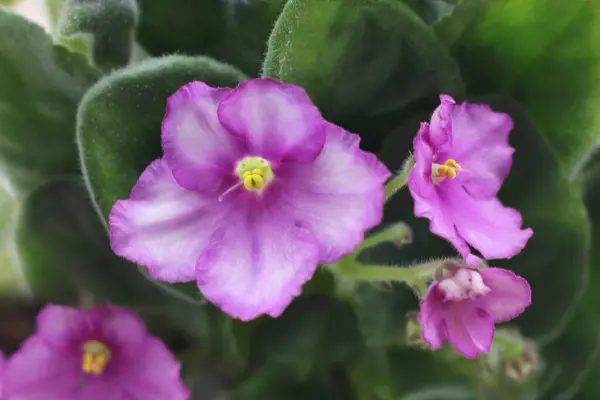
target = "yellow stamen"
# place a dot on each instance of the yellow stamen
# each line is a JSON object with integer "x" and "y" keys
{"x": 253, "y": 180}
{"x": 255, "y": 173}
{"x": 450, "y": 169}
{"x": 95, "y": 357}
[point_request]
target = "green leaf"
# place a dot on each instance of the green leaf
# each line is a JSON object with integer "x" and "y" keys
{"x": 416, "y": 370}
{"x": 555, "y": 260}
{"x": 553, "y": 68}
{"x": 232, "y": 31}
{"x": 591, "y": 387}
{"x": 370, "y": 376}
{"x": 41, "y": 87}
{"x": 119, "y": 120}
{"x": 431, "y": 11}
{"x": 366, "y": 64}
{"x": 571, "y": 357}
{"x": 381, "y": 313}
{"x": 314, "y": 333}
{"x": 109, "y": 25}
{"x": 272, "y": 383}
{"x": 62, "y": 244}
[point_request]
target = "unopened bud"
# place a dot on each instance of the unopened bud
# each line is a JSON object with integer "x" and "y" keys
{"x": 413, "y": 330}
{"x": 521, "y": 367}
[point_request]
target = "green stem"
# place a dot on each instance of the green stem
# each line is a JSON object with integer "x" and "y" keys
{"x": 400, "y": 180}
{"x": 398, "y": 233}
{"x": 413, "y": 276}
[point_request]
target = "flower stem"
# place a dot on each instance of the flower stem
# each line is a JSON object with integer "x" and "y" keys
{"x": 413, "y": 276}
{"x": 399, "y": 233}
{"x": 400, "y": 180}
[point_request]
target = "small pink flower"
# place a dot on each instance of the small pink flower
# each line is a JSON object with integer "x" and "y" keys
{"x": 254, "y": 190}
{"x": 462, "y": 159}
{"x": 100, "y": 354}
{"x": 463, "y": 306}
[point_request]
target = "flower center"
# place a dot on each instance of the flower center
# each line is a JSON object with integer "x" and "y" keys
{"x": 95, "y": 357}
{"x": 255, "y": 173}
{"x": 450, "y": 169}
{"x": 464, "y": 284}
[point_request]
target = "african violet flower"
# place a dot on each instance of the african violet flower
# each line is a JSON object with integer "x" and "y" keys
{"x": 98, "y": 354}
{"x": 462, "y": 159}
{"x": 463, "y": 305}
{"x": 254, "y": 190}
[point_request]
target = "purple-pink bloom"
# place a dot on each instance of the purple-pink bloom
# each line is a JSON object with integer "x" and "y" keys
{"x": 254, "y": 190}
{"x": 463, "y": 306}
{"x": 97, "y": 354}
{"x": 461, "y": 161}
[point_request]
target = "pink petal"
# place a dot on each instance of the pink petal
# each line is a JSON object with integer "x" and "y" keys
{"x": 101, "y": 389}
{"x": 2, "y": 362}
{"x": 470, "y": 329}
{"x": 276, "y": 121}
{"x": 37, "y": 372}
{"x": 337, "y": 197}
{"x": 120, "y": 327}
{"x": 58, "y": 326}
{"x": 164, "y": 227}
{"x": 510, "y": 294}
{"x": 154, "y": 374}
{"x": 480, "y": 145}
{"x": 428, "y": 197}
{"x": 431, "y": 318}
{"x": 486, "y": 225}
{"x": 257, "y": 262}
{"x": 198, "y": 150}
{"x": 419, "y": 179}
{"x": 440, "y": 133}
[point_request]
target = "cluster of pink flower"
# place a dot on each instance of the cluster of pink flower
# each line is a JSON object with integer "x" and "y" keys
{"x": 254, "y": 191}
{"x": 461, "y": 160}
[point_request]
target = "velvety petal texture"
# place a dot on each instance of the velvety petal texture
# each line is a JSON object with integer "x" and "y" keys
{"x": 250, "y": 248}
{"x": 197, "y": 148}
{"x": 464, "y": 311}
{"x": 463, "y": 208}
{"x": 50, "y": 364}
{"x": 275, "y": 121}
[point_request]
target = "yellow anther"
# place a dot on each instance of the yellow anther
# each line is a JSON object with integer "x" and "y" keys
{"x": 253, "y": 180}
{"x": 95, "y": 357}
{"x": 255, "y": 173}
{"x": 450, "y": 169}
{"x": 451, "y": 163}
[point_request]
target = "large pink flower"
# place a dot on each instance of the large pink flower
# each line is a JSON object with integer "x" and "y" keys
{"x": 100, "y": 354}
{"x": 254, "y": 191}
{"x": 463, "y": 306}
{"x": 462, "y": 159}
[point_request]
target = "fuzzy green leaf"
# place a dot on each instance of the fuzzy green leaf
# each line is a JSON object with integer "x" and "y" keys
{"x": 366, "y": 64}
{"x": 41, "y": 87}
{"x": 231, "y": 31}
{"x": 109, "y": 24}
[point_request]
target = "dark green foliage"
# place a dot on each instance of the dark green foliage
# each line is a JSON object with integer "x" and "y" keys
{"x": 41, "y": 87}
{"x": 110, "y": 24}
